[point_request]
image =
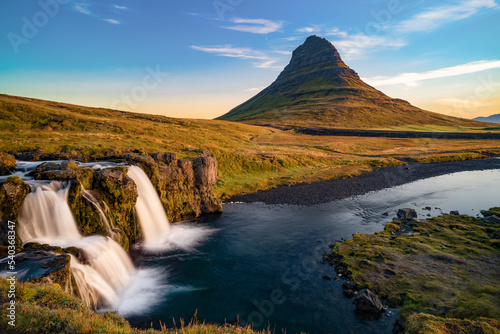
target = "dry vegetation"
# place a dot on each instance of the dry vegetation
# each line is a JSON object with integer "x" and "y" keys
{"x": 250, "y": 158}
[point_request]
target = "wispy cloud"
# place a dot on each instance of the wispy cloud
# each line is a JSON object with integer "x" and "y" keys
{"x": 112, "y": 21}
{"x": 261, "y": 59}
{"x": 410, "y": 79}
{"x": 83, "y": 8}
{"x": 231, "y": 51}
{"x": 435, "y": 17}
{"x": 255, "y": 89}
{"x": 308, "y": 30}
{"x": 336, "y": 32}
{"x": 255, "y": 26}
{"x": 356, "y": 45}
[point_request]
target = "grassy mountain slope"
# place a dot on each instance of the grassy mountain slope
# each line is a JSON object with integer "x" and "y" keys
{"x": 250, "y": 158}
{"x": 317, "y": 89}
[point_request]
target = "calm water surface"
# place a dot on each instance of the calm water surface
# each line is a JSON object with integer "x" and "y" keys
{"x": 262, "y": 264}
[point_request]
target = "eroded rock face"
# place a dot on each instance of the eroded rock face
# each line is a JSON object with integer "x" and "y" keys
{"x": 12, "y": 194}
{"x": 185, "y": 186}
{"x": 205, "y": 171}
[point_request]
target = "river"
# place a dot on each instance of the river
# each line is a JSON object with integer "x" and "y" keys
{"x": 261, "y": 264}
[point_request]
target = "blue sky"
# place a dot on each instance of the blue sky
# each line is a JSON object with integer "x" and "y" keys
{"x": 199, "y": 59}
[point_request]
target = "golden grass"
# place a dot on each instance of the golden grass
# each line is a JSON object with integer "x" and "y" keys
{"x": 250, "y": 158}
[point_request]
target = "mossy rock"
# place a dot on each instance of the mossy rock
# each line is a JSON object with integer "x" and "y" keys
{"x": 12, "y": 194}
{"x": 86, "y": 215}
{"x": 7, "y": 163}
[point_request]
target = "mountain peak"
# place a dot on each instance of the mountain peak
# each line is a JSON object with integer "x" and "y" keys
{"x": 318, "y": 89}
{"x": 315, "y": 54}
{"x": 317, "y": 49}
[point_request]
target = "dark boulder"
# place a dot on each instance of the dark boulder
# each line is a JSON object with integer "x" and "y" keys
{"x": 38, "y": 265}
{"x": 350, "y": 285}
{"x": 45, "y": 167}
{"x": 406, "y": 214}
{"x": 367, "y": 301}
{"x": 494, "y": 219}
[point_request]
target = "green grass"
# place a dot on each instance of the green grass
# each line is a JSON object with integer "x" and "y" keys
{"x": 46, "y": 308}
{"x": 456, "y": 266}
{"x": 428, "y": 324}
{"x": 250, "y": 158}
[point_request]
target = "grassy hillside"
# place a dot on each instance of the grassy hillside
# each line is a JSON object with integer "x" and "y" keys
{"x": 317, "y": 89}
{"x": 250, "y": 158}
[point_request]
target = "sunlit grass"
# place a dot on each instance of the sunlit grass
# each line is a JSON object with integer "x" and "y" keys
{"x": 250, "y": 158}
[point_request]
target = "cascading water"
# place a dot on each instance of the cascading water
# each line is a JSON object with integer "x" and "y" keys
{"x": 157, "y": 233}
{"x": 89, "y": 197}
{"x": 46, "y": 218}
{"x": 150, "y": 211}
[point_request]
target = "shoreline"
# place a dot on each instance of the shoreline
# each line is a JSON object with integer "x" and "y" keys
{"x": 380, "y": 178}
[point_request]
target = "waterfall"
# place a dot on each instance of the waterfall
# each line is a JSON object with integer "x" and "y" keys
{"x": 157, "y": 233}
{"x": 46, "y": 218}
{"x": 89, "y": 197}
{"x": 150, "y": 212}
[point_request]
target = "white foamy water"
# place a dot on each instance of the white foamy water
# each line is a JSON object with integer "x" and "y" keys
{"x": 158, "y": 234}
{"x": 107, "y": 279}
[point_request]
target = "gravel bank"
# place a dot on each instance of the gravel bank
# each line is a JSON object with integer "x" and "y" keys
{"x": 379, "y": 178}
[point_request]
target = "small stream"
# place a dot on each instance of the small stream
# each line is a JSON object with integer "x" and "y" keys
{"x": 262, "y": 264}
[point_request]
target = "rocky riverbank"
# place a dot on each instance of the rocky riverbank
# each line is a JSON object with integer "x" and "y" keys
{"x": 379, "y": 178}
{"x": 445, "y": 267}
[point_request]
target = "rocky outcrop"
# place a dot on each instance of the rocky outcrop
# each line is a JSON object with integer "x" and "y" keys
{"x": 12, "y": 194}
{"x": 367, "y": 301}
{"x": 185, "y": 187}
{"x": 38, "y": 263}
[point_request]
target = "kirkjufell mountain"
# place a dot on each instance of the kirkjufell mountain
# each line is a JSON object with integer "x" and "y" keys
{"x": 318, "y": 89}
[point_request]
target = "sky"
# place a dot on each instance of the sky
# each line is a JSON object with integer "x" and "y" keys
{"x": 201, "y": 58}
